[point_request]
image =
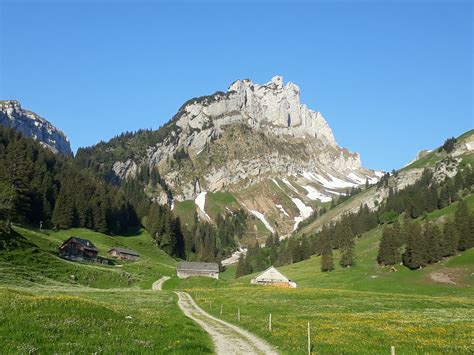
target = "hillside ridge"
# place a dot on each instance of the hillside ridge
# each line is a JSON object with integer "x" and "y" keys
{"x": 12, "y": 115}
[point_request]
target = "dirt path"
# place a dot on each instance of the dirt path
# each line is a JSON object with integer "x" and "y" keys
{"x": 157, "y": 284}
{"x": 227, "y": 338}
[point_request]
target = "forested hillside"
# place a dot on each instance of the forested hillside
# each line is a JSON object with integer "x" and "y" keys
{"x": 40, "y": 188}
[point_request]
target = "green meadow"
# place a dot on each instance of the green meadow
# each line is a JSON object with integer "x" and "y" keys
{"x": 50, "y": 305}
{"x": 364, "y": 309}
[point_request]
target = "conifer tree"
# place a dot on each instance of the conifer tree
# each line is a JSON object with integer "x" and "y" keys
{"x": 63, "y": 213}
{"x": 462, "y": 219}
{"x": 305, "y": 247}
{"x": 415, "y": 255}
{"x": 450, "y": 239}
{"x": 347, "y": 247}
{"x": 327, "y": 263}
{"x": 433, "y": 240}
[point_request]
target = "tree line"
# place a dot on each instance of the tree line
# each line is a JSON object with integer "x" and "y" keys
{"x": 416, "y": 245}
{"x": 40, "y": 188}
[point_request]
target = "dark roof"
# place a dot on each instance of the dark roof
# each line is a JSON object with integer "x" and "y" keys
{"x": 194, "y": 266}
{"x": 125, "y": 251}
{"x": 87, "y": 244}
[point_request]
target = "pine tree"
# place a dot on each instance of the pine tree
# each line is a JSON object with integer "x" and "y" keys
{"x": 415, "y": 255}
{"x": 433, "y": 240}
{"x": 450, "y": 239}
{"x": 327, "y": 263}
{"x": 63, "y": 213}
{"x": 387, "y": 254}
{"x": 305, "y": 247}
{"x": 7, "y": 195}
{"x": 462, "y": 220}
{"x": 347, "y": 246}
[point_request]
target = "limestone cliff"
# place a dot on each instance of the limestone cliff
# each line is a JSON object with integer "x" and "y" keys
{"x": 12, "y": 115}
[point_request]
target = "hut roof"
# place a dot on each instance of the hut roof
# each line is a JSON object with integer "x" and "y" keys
{"x": 86, "y": 244}
{"x": 195, "y": 266}
{"x": 125, "y": 251}
{"x": 272, "y": 275}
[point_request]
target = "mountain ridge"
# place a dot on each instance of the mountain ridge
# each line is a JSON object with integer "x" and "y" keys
{"x": 12, "y": 115}
{"x": 252, "y": 134}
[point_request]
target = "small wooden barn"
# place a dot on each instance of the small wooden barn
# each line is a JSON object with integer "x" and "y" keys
{"x": 273, "y": 277}
{"x": 122, "y": 253}
{"x": 186, "y": 269}
{"x": 78, "y": 249}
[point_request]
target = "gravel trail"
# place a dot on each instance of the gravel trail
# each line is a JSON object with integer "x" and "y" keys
{"x": 227, "y": 338}
{"x": 158, "y": 284}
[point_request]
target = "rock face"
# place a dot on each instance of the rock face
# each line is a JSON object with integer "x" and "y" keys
{"x": 272, "y": 108}
{"x": 246, "y": 135}
{"x": 33, "y": 126}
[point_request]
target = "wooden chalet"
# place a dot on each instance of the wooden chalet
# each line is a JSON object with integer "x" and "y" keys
{"x": 187, "y": 269}
{"x": 122, "y": 253}
{"x": 273, "y": 277}
{"x": 78, "y": 249}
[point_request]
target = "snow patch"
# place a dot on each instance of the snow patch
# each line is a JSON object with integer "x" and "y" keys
{"x": 262, "y": 218}
{"x": 280, "y": 207}
{"x": 314, "y": 194}
{"x": 341, "y": 183}
{"x": 200, "y": 201}
{"x": 305, "y": 212}
{"x": 234, "y": 258}
{"x": 276, "y": 183}
{"x": 356, "y": 178}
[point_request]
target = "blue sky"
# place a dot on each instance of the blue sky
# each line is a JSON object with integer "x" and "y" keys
{"x": 391, "y": 77}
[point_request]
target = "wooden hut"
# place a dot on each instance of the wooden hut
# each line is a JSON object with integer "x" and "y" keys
{"x": 78, "y": 249}
{"x": 273, "y": 277}
{"x": 122, "y": 253}
{"x": 187, "y": 269}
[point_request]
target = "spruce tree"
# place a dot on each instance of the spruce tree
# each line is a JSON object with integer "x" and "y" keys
{"x": 327, "y": 263}
{"x": 462, "y": 219}
{"x": 305, "y": 247}
{"x": 387, "y": 247}
{"x": 433, "y": 240}
{"x": 347, "y": 246}
{"x": 63, "y": 213}
{"x": 450, "y": 239}
{"x": 415, "y": 255}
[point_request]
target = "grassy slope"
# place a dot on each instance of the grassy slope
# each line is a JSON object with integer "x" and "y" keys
{"x": 41, "y": 260}
{"x": 363, "y": 309}
{"x": 44, "y": 309}
{"x": 91, "y": 321}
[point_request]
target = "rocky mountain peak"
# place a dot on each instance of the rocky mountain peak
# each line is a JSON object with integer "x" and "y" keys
{"x": 30, "y": 124}
{"x": 272, "y": 108}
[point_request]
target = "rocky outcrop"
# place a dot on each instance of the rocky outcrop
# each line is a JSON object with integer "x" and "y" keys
{"x": 12, "y": 115}
{"x": 277, "y": 136}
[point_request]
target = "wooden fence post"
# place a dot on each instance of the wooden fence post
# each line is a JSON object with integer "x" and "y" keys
{"x": 238, "y": 314}
{"x": 392, "y": 350}
{"x": 309, "y": 339}
{"x": 221, "y": 310}
{"x": 270, "y": 322}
